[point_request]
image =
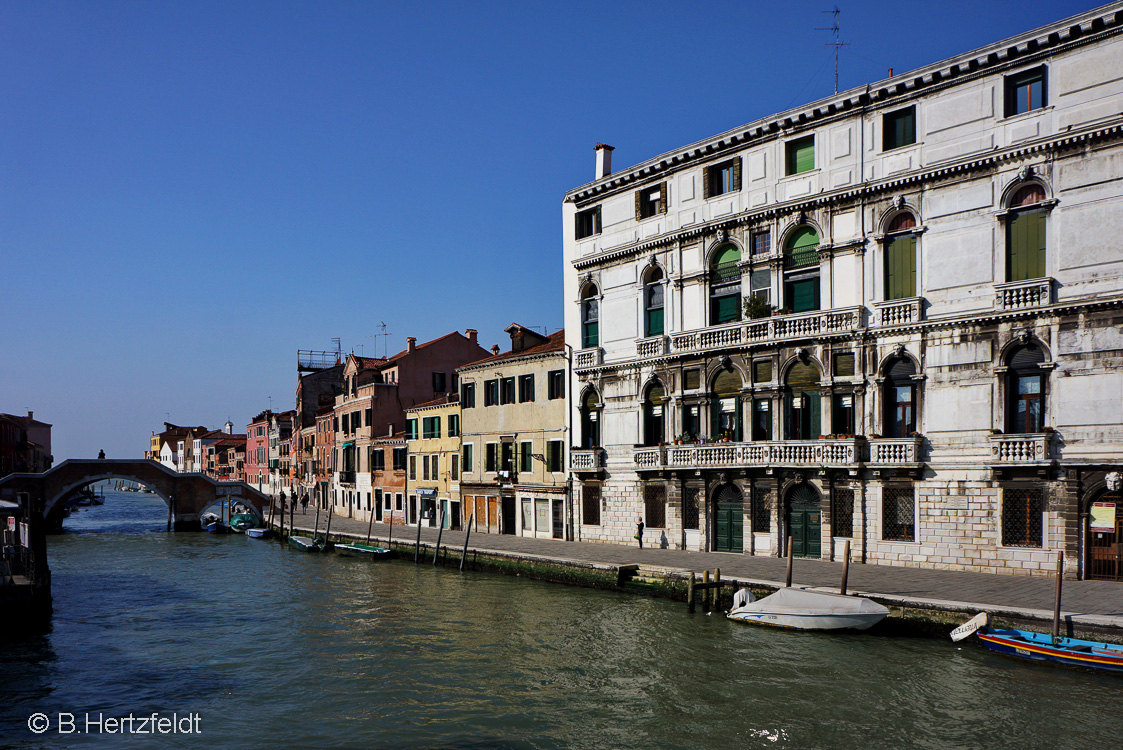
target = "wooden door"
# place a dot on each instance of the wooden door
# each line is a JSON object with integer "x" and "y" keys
{"x": 728, "y": 520}
{"x": 805, "y": 522}
{"x": 1105, "y": 548}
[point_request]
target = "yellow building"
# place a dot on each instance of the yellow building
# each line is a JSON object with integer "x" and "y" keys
{"x": 433, "y": 468}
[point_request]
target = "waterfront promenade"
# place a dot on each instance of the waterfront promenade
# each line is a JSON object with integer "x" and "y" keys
{"x": 1098, "y": 604}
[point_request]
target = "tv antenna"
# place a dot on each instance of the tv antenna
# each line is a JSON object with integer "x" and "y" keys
{"x": 384, "y": 335}
{"x": 837, "y": 43}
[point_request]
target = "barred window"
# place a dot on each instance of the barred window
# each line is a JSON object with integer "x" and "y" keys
{"x": 762, "y": 509}
{"x": 897, "y": 507}
{"x": 655, "y": 506}
{"x": 1022, "y": 510}
{"x": 842, "y": 515}
{"x": 690, "y": 508}
{"x": 590, "y": 505}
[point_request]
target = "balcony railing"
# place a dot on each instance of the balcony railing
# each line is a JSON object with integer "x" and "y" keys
{"x": 1019, "y": 295}
{"x": 586, "y": 459}
{"x": 346, "y": 477}
{"x": 898, "y": 312}
{"x": 776, "y": 328}
{"x": 653, "y": 346}
{"x": 1031, "y": 448}
{"x": 895, "y": 451}
{"x": 588, "y": 357}
{"x": 806, "y": 453}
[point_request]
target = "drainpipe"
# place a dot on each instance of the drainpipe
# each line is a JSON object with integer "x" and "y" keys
{"x": 571, "y": 532}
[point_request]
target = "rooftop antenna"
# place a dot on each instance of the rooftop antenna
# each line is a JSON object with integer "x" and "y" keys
{"x": 385, "y": 336}
{"x": 837, "y": 44}
{"x": 270, "y": 403}
{"x": 338, "y": 350}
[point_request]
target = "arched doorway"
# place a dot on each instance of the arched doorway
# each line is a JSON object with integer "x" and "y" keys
{"x": 728, "y": 519}
{"x": 804, "y": 521}
{"x": 1104, "y": 533}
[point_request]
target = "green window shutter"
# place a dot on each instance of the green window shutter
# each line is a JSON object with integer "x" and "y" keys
{"x": 591, "y": 337}
{"x": 815, "y": 407}
{"x": 655, "y": 322}
{"x": 1025, "y": 240}
{"x": 805, "y": 295}
{"x": 727, "y": 309}
{"x": 900, "y": 268}
{"x": 737, "y": 427}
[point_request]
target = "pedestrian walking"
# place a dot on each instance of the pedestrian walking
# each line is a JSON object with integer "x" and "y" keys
{"x": 101, "y": 455}
{"x": 304, "y": 504}
{"x": 639, "y": 532}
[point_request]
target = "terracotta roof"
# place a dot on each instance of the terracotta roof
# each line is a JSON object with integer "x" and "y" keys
{"x": 435, "y": 402}
{"x": 555, "y": 342}
{"x": 404, "y": 352}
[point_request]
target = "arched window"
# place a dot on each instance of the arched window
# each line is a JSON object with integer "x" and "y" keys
{"x": 1025, "y": 390}
{"x": 804, "y": 405}
{"x": 899, "y": 393}
{"x": 590, "y": 317}
{"x": 900, "y": 257}
{"x": 725, "y": 405}
{"x": 801, "y": 270}
{"x": 653, "y": 303}
{"x": 725, "y": 285}
{"x": 1025, "y": 234}
{"x": 653, "y": 420}
{"x": 590, "y": 420}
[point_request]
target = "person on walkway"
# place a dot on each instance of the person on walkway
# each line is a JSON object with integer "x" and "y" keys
{"x": 101, "y": 455}
{"x": 639, "y": 531}
{"x": 304, "y": 504}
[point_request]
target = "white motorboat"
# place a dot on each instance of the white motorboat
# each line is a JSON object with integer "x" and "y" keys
{"x": 808, "y": 610}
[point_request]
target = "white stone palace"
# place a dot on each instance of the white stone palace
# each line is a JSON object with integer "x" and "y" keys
{"x": 889, "y": 317}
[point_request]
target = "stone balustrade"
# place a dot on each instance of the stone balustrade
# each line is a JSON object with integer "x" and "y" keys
{"x": 809, "y": 453}
{"x": 1030, "y": 448}
{"x": 899, "y": 311}
{"x": 777, "y": 328}
{"x": 895, "y": 451}
{"x": 588, "y": 357}
{"x": 586, "y": 459}
{"x": 652, "y": 346}
{"x": 1020, "y": 295}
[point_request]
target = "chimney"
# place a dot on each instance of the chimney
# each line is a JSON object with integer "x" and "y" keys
{"x": 390, "y": 432}
{"x": 494, "y": 349}
{"x": 30, "y": 414}
{"x": 604, "y": 160}
{"x": 411, "y": 343}
{"x": 471, "y": 334}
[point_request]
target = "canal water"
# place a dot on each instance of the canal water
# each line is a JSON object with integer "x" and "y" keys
{"x": 269, "y": 646}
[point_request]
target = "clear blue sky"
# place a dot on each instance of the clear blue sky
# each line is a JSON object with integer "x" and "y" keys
{"x": 192, "y": 191}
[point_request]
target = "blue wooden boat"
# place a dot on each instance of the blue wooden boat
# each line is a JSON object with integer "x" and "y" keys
{"x": 257, "y": 533}
{"x": 1026, "y": 644}
{"x": 369, "y": 551}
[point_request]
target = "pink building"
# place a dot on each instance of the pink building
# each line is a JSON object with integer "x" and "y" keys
{"x": 257, "y": 449}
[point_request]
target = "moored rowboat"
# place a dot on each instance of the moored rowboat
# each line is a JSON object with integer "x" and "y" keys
{"x": 306, "y": 543}
{"x": 1025, "y": 644}
{"x": 369, "y": 551}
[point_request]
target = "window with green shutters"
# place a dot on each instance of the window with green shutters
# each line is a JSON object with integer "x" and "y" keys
{"x": 454, "y": 425}
{"x": 900, "y": 129}
{"x": 466, "y": 462}
{"x": 900, "y": 267}
{"x": 801, "y": 268}
{"x": 590, "y": 318}
{"x": 554, "y": 455}
{"x": 803, "y": 420}
{"x": 525, "y": 459}
{"x": 801, "y": 155}
{"x": 725, "y": 285}
{"x": 431, "y": 427}
{"x": 653, "y": 303}
{"x": 411, "y": 429}
{"x": 1025, "y": 235}
{"x": 491, "y": 457}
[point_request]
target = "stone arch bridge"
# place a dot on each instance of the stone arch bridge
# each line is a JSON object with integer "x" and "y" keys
{"x": 187, "y": 495}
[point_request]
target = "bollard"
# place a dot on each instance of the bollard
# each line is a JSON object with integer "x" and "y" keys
{"x": 467, "y": 534}
{"x": 705, "y": 590}
{"x": 1057, "y": 599}
{"x": 417, "y": 545}
{"x": 690, "y": 594}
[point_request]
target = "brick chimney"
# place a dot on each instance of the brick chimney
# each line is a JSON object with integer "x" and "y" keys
{"x": 494, "y": 349}
{"x": 471, "y": 334}
{"x": 411, "y": 343}
{"x": 604, "y": 160}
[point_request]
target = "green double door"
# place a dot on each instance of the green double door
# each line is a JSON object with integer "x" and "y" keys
{"x": 805, "y": 522}
{"x": 728, "y": 520}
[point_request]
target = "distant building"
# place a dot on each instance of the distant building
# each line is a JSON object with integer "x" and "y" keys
{"x": 25, "y": 444}
{"x": 513, "y": 438}
{"x": 257, "y": 450}
{"x": 433, "y": 471}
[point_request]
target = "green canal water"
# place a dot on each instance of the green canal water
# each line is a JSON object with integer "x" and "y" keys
{"x": 273, "y": 647}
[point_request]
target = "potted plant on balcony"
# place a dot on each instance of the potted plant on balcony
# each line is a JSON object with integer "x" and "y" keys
{"x": 755, "y": 307}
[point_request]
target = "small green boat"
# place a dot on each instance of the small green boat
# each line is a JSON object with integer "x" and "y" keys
{"x": 239, "y": 522}
{"x": 306, "y": 543}
{"x": 369, "y": 551}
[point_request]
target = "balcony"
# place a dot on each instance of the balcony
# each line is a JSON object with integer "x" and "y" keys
{"x": 588, "y": 357}
{"x": 767, "y": 330}
{"x": 1030, "y": 449}
{"x": 898, "y": 312}
{"x": 895, "y": 451}
{"x": 846, "y": 453}
{"x": 653, "y": 346}
{"x": 586, "y": 459}
{"x": 346, "y": 477}
{"x": 1023, "y": 295}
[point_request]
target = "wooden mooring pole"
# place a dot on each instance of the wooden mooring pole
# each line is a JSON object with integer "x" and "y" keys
{"x": 417, "y": 545}
{"x": 706, "y": 590}
{"x": 467, "y": 534}
{"x": 845, "y": 567}
{"x": 690, "y": 594}
{"x": 1057, "y": 599}
{"x": 788, "y": 578}
{"x": 716, "y": 598}
{"x": 440, "y": 530}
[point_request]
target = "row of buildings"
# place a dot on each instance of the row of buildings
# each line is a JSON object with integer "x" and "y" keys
{"x": 25, "y": 444}
{"x": 889, "y": 318}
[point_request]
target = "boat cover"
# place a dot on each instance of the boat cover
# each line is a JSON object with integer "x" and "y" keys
{"x": 801, "y": 601}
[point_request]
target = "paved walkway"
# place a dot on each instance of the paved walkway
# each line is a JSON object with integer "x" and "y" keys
{"x": 1092, "y": 602}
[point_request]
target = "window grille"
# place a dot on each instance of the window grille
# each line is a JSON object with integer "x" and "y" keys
{"x": 762, "y": 509}
{"x": 1022, "y": 511}
{"x": 842, "y": 515}
{"x": 590, "y": 505}
{"x": 898, "y": 507}
{"x": 690, "y": 508}
{"x": 655, "y": 506}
